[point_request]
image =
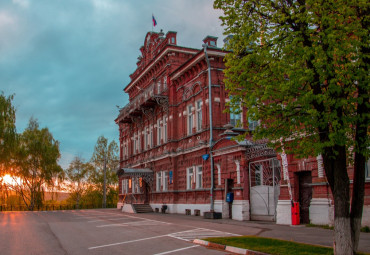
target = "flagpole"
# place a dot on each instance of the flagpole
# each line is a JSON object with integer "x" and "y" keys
{"x": 152, "y": 22}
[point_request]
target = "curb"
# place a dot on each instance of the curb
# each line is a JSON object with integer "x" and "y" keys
{"x": 228, "y": 248}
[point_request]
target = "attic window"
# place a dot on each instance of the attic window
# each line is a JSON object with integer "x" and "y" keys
{"x": 173, "y": 40}
{"x": 212, "y": 43}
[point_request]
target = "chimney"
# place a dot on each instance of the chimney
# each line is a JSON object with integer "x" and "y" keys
{"x": 211, "y": 41}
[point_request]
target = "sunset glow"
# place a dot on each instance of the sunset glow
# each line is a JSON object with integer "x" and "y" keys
{"x": 7, "y": 179}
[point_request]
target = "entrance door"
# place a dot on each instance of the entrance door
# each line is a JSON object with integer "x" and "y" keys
{"x": 305, "y": 195}
{"x": 264, "y": 183}
{"x": 146, "y": 191}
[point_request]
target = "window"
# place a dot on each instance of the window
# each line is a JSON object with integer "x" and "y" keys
{"x": 190, "y": 119}
{"x": 151, "y": 136}
{"x": 159, "y": 132}
{"x": 164, "y": 83}
{"x": 124, "y": 186}
{"x": 164, "y": 181}
{"x": 199, "y": 179}
{"x": 135, "y": 144}
{"x": 235, "y": 119}
{"x": 159, "y": 87}
{"x": 367, "y": 169}
{"x": 235, "y": 114}
{"x": 139, "y": 141}
{"x": 159, "y": 181}
{"x": 165, "y": 129}
{"x": 199, "y": 115}
{"x": 189, "y": 178}
{"x": 146, "y": 138}
{"x": 252, "y": 124}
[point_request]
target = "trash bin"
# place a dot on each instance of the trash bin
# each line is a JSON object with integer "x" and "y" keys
{"x": 164, "y": 208}
{"x": 295, "y": 213}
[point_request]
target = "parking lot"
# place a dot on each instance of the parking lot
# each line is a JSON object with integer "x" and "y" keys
{"x": 99, "y": 232}
{"x": 110, "y": 231}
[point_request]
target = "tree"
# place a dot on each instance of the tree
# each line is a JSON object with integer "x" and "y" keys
{"x": 77, "y": 175}
{"x": 302, "y": 69}
{"x": 36, "y": 164}
{"x": 7, "y": 128}
{"x": 104, "y": 155}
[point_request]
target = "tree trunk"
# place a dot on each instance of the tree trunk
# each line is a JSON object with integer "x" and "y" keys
{"x": 336, "y": 171}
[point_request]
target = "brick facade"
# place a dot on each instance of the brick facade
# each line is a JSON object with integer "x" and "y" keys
{"x": 165, "y": 147}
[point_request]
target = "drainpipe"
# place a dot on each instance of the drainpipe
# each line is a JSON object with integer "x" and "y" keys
{"x": 210, "y": 126}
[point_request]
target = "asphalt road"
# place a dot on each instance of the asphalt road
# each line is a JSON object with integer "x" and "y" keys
{"x": 97, "y": 232}
{"x": 109, "y": 231}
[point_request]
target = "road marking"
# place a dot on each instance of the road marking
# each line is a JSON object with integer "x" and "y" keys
{"x": 167, "y": 252}
{"x": 132, "y": 241}
{"x": 143, "y": 222}
{"x": 108, "y": 219}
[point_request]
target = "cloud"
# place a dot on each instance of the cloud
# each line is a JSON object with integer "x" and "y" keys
{"x": 68, "y": 61}
{"x": 22, "y": 3}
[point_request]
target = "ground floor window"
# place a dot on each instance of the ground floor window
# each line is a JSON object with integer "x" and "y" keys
{"x": 189, "y": 177}
{"x": 199, "y": 179}
{"x": 159, "y": 181}
{"x": 164, "y": 181}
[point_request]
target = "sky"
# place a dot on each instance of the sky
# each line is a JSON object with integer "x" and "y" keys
{"x": 67, "y": 61}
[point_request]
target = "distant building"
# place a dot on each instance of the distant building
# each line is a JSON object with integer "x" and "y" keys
{"x": 168, "y": 144}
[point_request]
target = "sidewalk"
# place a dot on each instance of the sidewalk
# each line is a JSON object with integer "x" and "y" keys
{"x": 300, "y": 233}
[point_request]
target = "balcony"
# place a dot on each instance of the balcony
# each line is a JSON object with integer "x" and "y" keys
{"x": 144, "y": 103}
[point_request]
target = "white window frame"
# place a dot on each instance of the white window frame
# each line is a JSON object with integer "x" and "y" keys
{"x": 189, "y": 177}
{"x": 159, "y": 87}
{"x": 165, "y": 129}
{"x": 199, "y": 114}
{"x": 164, "y": 180}
{"x": 367, "y": 170}
{"x": 164, "y": 82}
{"x": 139, "y": 141}
{"x": 236, "y": 118}
{"x": 159, "y": 132}
{"x": 146, "y": 138}
{"x": 151, "y": 136}
{"x": 199, "y": 177}
{"x": 159, "y": 181}
{"x": 135, "y": 144}
{"x": 190, "y": 117}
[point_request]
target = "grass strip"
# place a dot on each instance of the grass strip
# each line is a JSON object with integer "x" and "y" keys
{"x": 271, "y": 246}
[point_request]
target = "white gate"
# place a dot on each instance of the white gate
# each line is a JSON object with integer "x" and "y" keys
{"x": 264, "y": 182}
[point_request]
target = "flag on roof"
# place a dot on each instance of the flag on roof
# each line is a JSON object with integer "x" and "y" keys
{"x": 154, "y": 21}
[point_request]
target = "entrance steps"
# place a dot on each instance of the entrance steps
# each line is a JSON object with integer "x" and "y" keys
{"x": 142, "y": 208}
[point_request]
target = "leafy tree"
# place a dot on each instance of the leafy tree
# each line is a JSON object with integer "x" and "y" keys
{"x": 77, "y": 174}
{"x": 104, "y": 153}
{"x": 7, "y": 130}
{"x": 302, "y": 69}
{"x": 36, "y": 164}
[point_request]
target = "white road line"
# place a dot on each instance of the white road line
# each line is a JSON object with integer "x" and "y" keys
{"x": 132, "y": 241}
{"x": 167, "y": 252}
{"x": 134, "y": 223}
{"x": 108, "y": 219}
{"x": 182, "y": 239}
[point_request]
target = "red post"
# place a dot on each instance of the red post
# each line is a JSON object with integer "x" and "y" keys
{"x": 295, "y": 213}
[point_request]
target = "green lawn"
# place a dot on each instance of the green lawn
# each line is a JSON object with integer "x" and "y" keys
{"x": 271, "y": 246}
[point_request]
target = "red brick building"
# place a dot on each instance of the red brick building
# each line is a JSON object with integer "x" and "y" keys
{"x": 175, "y": 145}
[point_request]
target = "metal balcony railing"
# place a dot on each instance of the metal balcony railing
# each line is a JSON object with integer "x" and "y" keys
{"x": 148, "y": 98}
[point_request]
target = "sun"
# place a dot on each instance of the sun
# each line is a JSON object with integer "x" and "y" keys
{"x": 7, "y": 179}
